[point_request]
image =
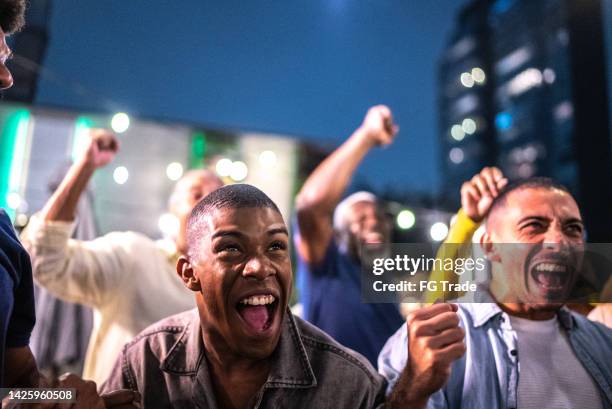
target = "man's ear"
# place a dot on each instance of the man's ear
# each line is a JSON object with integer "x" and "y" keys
{"x": 489, "y": 248}
{"x": 187, "y": 274}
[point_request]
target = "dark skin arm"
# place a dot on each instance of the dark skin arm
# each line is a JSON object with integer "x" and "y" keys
{"x": 21, "y": 371}
{"x": 20, "y": 368}
{"x": 324, "y": 188}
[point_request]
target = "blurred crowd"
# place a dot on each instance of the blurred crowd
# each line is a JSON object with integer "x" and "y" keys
{"x": 207, "y": 322}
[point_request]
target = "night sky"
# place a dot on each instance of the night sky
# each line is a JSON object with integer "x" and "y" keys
{"x": 309, "y": 68}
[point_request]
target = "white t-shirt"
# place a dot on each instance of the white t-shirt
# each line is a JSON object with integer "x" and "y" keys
{"x": 550, "y": 375}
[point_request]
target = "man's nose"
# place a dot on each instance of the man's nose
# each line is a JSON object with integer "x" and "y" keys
{"x": 258, "y": 267}
{"x": 6, "y": 79}
{"x": 373, "y": 222}
{"x": 555, "y": 238}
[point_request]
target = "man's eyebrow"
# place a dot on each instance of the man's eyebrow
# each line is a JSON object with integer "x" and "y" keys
{"x": 282, "y": 230}
{"x": 534, "y": 218}
{"x": 546, "y": 219}
{"x": 573, "y": 220}
{"x": 226, "y": 233}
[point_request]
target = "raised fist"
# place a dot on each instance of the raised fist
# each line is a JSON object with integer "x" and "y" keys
{"x": 435, "y": 341}
{"x": 477, "y": 194}
{"x": 378, "y": 126}
{"x": 102, "y": 147}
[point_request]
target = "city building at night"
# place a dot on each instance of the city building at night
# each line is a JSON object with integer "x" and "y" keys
{"x": 523, "y": 87}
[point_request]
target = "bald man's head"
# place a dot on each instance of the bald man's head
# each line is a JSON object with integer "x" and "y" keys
{"x": 188, "y": 191}
{"x": 501, "y": 201}
{"x": 534, "y": 239}
{"x": 237, "y": 196}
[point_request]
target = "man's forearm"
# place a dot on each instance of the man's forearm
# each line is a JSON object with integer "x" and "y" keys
{"x": 21, "y": 369}
{"x": 63, "y": 203}
{"x": 403, "y": 396}
{"x": 326, "y": 185}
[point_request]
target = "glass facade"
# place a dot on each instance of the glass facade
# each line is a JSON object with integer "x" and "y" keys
{"x": 539, "y": 109}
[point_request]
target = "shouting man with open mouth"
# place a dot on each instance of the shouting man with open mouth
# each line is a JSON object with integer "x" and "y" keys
{"x": 524, "y": 347}
{"x": 242, "y": 347}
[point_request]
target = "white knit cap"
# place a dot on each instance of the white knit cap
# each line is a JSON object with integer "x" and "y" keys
{"x": 343, "y": 206}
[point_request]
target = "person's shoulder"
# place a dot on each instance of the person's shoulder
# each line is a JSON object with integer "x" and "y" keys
{"x": 324, "y": 351}
{"x": 5, "y": 221}
{"x": 594, "y": 327}
{"x": 8, "y": 237}
{"x": 161, "y": 336}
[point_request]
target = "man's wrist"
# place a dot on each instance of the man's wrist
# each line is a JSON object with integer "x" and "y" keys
{"x": 408, "y": 392}
{"x": 364, "y": 137}
{"x": 83, "y": 165}
{"x": 471, "y": 217}
{"x": 407, "y": 400}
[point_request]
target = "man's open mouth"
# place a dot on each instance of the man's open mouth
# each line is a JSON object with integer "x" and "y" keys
{"x": 551, "y": 276}
{"x": 374, "y": 238}
{"x": 258, "y": 311}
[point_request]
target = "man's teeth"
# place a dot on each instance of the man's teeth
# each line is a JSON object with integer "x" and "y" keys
{"x": 551, "y": 267}
{"x": 258, "y": 300}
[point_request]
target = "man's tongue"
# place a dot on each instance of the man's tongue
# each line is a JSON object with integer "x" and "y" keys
{"x": 256, "y": 316}
{"x": 549, "y": 279}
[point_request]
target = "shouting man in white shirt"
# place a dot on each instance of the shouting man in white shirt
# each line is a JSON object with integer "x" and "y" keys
{"x": 128, "y": 279}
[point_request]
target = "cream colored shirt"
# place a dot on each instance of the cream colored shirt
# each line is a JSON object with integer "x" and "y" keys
{"x": 129, "y": 280}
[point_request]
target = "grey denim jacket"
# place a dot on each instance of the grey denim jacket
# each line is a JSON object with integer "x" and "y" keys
{"x": 166, "y": 363}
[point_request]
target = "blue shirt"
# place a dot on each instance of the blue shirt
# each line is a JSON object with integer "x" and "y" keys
{"x": 487, "y": 375}
{"x": 330, "y": 293}
{"x": 16, "y": 292}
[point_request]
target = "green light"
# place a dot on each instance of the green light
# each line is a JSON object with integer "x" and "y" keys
{"x": 198, "y": 150}
{"x": 406, "y": 219}
{"x": 13, "y": 155}
{"x": 80, "y": 138}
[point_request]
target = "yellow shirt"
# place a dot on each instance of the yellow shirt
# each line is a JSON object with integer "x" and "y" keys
{"x": 460, "y": 234}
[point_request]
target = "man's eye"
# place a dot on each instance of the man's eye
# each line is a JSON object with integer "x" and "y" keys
{"x": 228, "y": 248}
{"x": 278, "y": 245}
{"x": 533, "y": 227}
{"x": 575, "y": 228}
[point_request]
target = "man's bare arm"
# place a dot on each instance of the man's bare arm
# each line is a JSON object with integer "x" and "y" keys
{"x": 20, "y": 368}
{"x": 100, "y": 151}
{"x": 324, "y": 188}
{"x": 21, "y": 371}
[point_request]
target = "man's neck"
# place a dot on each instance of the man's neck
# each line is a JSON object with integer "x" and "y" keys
{"x": 506, "y": 300}
{"x": 528, "y": 311}
{"x": 534, "y": 312}
{"x": 235, "y": 379}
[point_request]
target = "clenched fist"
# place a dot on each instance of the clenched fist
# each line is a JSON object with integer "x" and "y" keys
{"x": 101, "y": 149}
{"x": 378, "y": 126}
{"x": 477, "y": 195}
{"x": 435, "y": 340}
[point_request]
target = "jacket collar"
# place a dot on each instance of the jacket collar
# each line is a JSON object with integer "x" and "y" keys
{"x": 485, "y": 309}
{"x": 290, "y": 364}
